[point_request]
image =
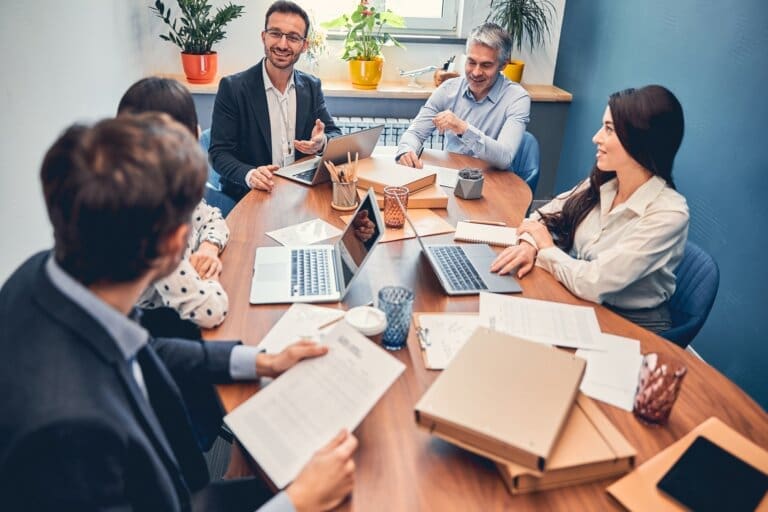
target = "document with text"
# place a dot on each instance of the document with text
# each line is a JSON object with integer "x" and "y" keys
{"x": 442, "y": 336}
{"x": 284, "y": 424}
{"x": 300, "y": 322}
{"x": 542, "y": 321}
{"x": 611, "y": 376}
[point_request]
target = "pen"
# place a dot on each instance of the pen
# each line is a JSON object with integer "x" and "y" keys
{"x": 421, "y": 150}
{"x": 489, "y": 222}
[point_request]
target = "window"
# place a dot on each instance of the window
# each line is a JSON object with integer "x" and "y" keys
{"x": 422, "y": 17}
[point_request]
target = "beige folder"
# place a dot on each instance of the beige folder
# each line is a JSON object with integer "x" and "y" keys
{"x": 379, "y": 172}
{"x": 503, "y": 397}
{"x": 589, "y": 448}
{"x": 432, "y": 196}
{"x": 638, "y": 491}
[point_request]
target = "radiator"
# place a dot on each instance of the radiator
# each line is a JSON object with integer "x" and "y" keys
{"x": 393, "y": 129}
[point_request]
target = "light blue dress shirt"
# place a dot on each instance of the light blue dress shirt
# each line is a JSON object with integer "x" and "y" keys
{"x": 496, "y": 122}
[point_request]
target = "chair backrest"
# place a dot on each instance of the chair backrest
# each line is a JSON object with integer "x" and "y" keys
{"x": 697, "y": 280}
{"x": 528, "y": 160}
{"x": 213, "y": 176}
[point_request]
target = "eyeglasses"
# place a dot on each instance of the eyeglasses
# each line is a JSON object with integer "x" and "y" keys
{"x": 277, "y": 35}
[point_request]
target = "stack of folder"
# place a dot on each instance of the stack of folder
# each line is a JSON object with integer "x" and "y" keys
{"x": 517, "y": 403}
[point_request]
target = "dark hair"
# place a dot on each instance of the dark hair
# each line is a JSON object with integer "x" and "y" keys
{"x": 286, "y": 7}
{"x": 116, "y": 190}
{"x": 649, "y": 124}
{"x": 161, "y": 95}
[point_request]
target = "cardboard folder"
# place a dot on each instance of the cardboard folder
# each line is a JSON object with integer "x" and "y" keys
{"x": 638, "y": 491}
{"x": 432, "y": 196}
{"x": 589, "y": 448}
{"x": 503, "y": 397}
{"x": 378, "y": 172}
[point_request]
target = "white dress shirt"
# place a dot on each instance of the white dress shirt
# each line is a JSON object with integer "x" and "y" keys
{"x": 625, "y": 257}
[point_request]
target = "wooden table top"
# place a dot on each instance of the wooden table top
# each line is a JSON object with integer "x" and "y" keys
{"x": 399, "y": 466}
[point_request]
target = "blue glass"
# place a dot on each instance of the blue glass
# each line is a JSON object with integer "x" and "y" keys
{"x": 397, "y": 303}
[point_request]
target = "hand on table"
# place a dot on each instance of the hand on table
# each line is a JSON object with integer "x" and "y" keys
{"x": 411, "y": 160}
{"x": 260, "y": 178}
{"x": 521, "y": 256}
{"x": 206, "y": 261}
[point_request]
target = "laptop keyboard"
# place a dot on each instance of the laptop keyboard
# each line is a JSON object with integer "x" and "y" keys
{"x": 306, "y": 175}
{"x": 457, "y": 268}
{"x": 310, "y": 274}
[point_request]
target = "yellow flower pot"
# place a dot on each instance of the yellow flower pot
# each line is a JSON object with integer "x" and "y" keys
{"x": 514, "y": 70}
{"x": 366, "y": 74}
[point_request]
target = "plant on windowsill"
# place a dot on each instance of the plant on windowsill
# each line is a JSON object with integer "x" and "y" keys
{"x": 363, "y": 42}
{"x": 195, "y": 32}
{"x": 523, "y": 19}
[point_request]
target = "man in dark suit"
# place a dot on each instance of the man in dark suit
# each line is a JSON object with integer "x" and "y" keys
{"x": 268, "y": 116}
{"x": 91, "y": 414}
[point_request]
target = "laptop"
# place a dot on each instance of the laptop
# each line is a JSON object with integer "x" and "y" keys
{"x": 313, "y": 171}
{"x": 318, "y": 273}
{"x": 464, "y": 269}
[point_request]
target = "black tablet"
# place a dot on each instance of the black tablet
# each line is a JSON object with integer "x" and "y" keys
{"x": 708, "y": 477}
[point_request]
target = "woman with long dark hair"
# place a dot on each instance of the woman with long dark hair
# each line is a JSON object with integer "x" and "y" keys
{"x": 617, "y": 237}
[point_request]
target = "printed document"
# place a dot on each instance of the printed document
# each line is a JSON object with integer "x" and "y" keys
{"x": 305, "y": 233}
{"x": 442, "y": 336}
{"x": 542, "y": 321}
{"x": 446, "y": 177}
{"x": 284, "y": 424}
{"x": 300, "y": 322}
{"x": 611, "y": 376}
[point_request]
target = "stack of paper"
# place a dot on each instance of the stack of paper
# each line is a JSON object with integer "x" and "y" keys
{"x": 305, "y": 233}
{"x": 300, "y": 322}
{"x": 611, "y": 375}
{"x": 442, "y": 336}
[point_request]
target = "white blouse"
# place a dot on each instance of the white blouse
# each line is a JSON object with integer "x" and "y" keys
{"x": 625, "y": 257}
{"x": 203, "y": 302}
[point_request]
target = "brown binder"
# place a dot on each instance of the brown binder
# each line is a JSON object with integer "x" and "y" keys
{"x": 589, "y": 448}
{"x": 503, "y": 397}
{"x": 638, "y": 491}
{"x": 432, "y": 196}
{"x": 380, "y": 172}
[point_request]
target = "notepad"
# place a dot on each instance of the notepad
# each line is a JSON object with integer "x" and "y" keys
{"x": 485, "y": 233}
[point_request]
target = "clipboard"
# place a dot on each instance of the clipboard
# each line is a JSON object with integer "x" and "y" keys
{"x": 422, "y": 334}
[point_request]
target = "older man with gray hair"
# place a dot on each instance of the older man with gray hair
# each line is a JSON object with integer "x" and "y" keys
{"x": 482, "y": 114}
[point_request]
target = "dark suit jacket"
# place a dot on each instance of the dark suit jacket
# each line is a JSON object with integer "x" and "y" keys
{"x": 76, "y": 432}
{"x": 240, "y": 132}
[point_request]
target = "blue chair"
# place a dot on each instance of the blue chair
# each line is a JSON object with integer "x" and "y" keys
{"x": 698, "y": 278}
{"x": 213, "y": 194}
{"x": 528, "y": 160}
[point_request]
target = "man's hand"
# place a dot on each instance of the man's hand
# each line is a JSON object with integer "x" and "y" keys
{"x": 520, "y": 256}
{"x": 272, "y": 365}
{"x": 447, "y": 120}
{"x": 411, "y": 160}
{"x": 315, "y": 143}
{"x": 260, "y": 178}
{"x": 206, "y": 261}
{"x": 538, "y": 231}
{"x": 327, "y": 478}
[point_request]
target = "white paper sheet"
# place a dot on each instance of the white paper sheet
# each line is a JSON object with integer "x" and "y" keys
{"x": 446, "y": 177}
{"x": 384, "y": 152}
{"x": 442, "y": 336}
{"x": 542, "y": 321}
{"x": 305, "y": 233}
{"x": 611, "y": 376}
{"x": 283, "y": 425}
{"x": 300, "y": 321}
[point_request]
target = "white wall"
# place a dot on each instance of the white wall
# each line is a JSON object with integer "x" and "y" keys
{"x": 63, "y": 62}
{"x": 243, "y": 47}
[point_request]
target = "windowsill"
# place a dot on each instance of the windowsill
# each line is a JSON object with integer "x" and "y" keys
{"x": 395, "y": 90}
{"x": 414, "y": 39}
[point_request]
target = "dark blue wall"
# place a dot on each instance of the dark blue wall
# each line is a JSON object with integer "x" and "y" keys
{"x": 714, "y": 57}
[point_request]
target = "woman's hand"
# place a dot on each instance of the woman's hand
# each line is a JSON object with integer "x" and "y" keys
{"x": 206, "y": 261}
{"x": 538, "y": 231}
{"x": 521, "y": 256}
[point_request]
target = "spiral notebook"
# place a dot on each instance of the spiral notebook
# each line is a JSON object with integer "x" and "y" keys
{"x": 485, "y": 233}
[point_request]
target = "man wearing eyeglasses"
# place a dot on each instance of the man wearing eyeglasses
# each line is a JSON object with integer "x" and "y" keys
{"x": 270, "y": 115}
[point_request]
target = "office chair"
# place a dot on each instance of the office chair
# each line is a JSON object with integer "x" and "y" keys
{"x": 213, "y": 194}
{"x": 698, "y": 278}
{"x": 527, "y": 161}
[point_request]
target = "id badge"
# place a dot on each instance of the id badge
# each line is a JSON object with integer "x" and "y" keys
{"x": 289, "y": 155}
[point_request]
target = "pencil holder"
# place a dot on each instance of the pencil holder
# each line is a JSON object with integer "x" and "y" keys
{"x": 470, "y": 184}
{"x": 344, "y": 195}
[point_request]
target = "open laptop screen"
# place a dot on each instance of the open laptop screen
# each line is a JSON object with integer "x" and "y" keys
{"x": 359, "y": 238}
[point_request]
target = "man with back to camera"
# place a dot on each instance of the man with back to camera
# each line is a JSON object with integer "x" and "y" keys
{"x": 270, "y": 115}
{"x": 482, "y": 114}
{"x": 93, "y": 418}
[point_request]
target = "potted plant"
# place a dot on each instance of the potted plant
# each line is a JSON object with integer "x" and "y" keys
{"x": 363, "y": 42}
{"x": 523, "y": 19}
{"x": 195, "y": 32}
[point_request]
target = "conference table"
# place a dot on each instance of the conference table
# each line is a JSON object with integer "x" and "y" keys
{"x": 399, "y": 466}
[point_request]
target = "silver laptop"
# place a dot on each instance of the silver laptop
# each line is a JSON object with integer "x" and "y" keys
{"x": 318, "y": 273}
{"x": 313, "y": 171}
{"x": 464, "y": 269}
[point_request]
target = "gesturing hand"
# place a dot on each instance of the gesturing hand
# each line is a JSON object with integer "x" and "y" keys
{"x": 315, "y": 143}
{"x": 447, "y": 120}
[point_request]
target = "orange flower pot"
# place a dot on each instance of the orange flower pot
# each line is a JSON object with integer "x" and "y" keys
{"x": 200, "y": 69}
{"x": 514, "y": 70}
{"x": 366, "y": 74}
